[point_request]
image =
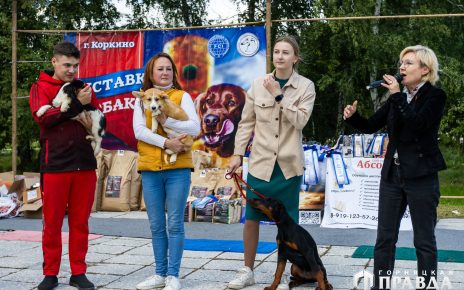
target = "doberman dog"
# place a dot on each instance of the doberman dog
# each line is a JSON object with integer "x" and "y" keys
{"x": 294, "y": 244}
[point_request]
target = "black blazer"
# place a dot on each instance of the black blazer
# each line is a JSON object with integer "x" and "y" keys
{"x": 412, "y": 130}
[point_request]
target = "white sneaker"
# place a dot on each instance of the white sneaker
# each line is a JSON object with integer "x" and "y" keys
{"x": 152, "y": 282}
{"x": 244, "y": 277}
{"x": 172, "y": 283}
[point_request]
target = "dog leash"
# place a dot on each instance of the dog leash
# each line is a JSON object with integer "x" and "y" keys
{"x": 237, "y": 180}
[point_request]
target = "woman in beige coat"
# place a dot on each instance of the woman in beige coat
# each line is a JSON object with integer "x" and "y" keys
{"x": 277, "y": 108}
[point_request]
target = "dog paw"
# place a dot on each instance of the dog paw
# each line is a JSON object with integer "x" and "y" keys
{"x": 327, "y": 286}
{"x": 294, "y": 284}
{"x": 173, "y": 159}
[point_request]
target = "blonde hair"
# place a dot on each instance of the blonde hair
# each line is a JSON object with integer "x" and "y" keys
{"x": 296, "y": 48}
{"x": 427, "y": 58}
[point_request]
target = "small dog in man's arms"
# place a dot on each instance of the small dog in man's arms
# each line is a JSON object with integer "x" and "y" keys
{"x": 63, "y": 100}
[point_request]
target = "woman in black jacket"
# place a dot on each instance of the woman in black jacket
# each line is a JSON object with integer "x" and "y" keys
{"x": 411, "y": 165}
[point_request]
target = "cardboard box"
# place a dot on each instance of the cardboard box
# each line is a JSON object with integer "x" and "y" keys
{"x": 225, "y": 211}
{"x": 238, "y": 212}
{"x": 7, "y": 176}
{"x": 21, "y": 183}
{"x": 32, "y": 179}
{"x": 188, "y": 212}
{"x": 18, "y": 186}
{"x": 32, "y": 210}
{"x": 204, "y": 214}
{"x": 32, "y": 195}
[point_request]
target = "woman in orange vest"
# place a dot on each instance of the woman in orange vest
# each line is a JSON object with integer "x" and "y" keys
{"x": 165, "y": 185}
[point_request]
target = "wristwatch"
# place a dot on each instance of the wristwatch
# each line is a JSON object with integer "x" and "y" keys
{"x": 279, "y": 98}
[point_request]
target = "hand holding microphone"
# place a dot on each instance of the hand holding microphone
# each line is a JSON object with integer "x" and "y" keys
{"x": 386, "y": 79}
{"x": 392, "y": 83}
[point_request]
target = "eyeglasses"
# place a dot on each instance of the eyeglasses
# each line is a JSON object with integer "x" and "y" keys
{"x": 406, "y": 63}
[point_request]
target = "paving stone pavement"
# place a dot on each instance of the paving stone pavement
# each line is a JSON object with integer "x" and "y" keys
{"x": 121, "y": 263}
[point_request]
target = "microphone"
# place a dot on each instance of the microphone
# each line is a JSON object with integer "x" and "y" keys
{"x": 377, "y": 84}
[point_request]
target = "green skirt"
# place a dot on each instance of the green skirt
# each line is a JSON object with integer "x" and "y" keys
{"x": 287, "y": 191}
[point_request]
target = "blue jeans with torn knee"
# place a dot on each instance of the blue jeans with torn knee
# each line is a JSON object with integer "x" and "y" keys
{"x": 165, "y": 195}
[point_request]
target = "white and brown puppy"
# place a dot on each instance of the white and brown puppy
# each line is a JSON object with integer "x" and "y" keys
{"x": 63, "y": 101}
{"x": 156, "y": 101}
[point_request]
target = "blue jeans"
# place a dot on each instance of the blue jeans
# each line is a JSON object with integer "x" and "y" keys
{"x": 166, "y": 191}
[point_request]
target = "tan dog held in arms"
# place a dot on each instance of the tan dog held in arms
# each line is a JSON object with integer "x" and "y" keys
{"x": 155, "y": 100}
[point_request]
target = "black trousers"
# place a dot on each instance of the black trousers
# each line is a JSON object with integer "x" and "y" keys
{"x": 422, "y": 195}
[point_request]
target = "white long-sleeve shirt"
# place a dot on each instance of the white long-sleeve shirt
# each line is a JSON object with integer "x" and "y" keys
{"x": 190, "y": 127}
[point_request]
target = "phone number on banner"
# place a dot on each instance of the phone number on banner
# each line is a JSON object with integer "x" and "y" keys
{"x": 354, "y": 216}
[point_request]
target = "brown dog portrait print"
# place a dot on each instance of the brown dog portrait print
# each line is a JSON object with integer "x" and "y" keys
{"x": 220, "y": 110}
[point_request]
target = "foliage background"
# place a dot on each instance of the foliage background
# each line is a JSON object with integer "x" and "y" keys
{"x": 341, "y": 57}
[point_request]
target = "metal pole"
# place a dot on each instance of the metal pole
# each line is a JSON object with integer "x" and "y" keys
{"x": 268, "y": 36}
{"x": 13, "y": 87}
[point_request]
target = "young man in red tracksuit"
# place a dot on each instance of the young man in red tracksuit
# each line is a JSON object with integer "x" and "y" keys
{"x": 67, "y": 166}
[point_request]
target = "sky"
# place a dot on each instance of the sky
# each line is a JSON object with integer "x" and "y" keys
{"x": 217, "y": 9}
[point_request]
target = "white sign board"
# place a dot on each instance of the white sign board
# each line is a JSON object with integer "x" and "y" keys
{"x": 355, "y": 205}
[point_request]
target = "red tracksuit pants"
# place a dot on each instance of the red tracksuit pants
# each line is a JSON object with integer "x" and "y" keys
{"x": 75, "y": 191}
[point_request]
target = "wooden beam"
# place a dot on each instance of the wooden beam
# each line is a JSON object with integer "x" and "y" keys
{"x": 268, "y": 35}
{"x": 13, "y": 87}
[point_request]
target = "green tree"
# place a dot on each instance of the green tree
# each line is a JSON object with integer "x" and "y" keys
{"x": 343, "y": 56}
{"x": 183, "y": 13}
{"x": 280, "y": 10}
{"x": 34, "y": 54}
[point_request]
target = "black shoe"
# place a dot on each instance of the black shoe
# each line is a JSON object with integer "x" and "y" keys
{"x": 48, "y": 283}
{"x": 81, "y": 282}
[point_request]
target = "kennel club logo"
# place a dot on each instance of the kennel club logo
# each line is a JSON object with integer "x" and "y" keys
{"x": 248, "y": 44}
{"x": 218, "y": 46}
{"x": 403, "y": 279}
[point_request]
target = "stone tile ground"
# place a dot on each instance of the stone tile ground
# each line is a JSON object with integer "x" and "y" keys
{"x": 121, "y": 263}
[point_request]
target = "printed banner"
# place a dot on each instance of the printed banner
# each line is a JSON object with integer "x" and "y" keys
{"x": 356, "y": 204}
{"x": 216, "y": 67}
{"x": 112, "y": 64}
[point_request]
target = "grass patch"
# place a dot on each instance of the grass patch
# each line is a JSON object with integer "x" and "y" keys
{"x": 452, "y": 183}
{"x": 5, "y": 162}
{"x": 446, "y": 210}
{"x": 452, "y": 179}
{"x": 451, "y": 190}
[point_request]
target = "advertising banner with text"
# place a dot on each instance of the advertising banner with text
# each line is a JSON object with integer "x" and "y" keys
{"x": 355, "y": 205}
{"x": 215, "y": 66}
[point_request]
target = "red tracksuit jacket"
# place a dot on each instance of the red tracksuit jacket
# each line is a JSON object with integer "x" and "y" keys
{"x": 63, "y": 146}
